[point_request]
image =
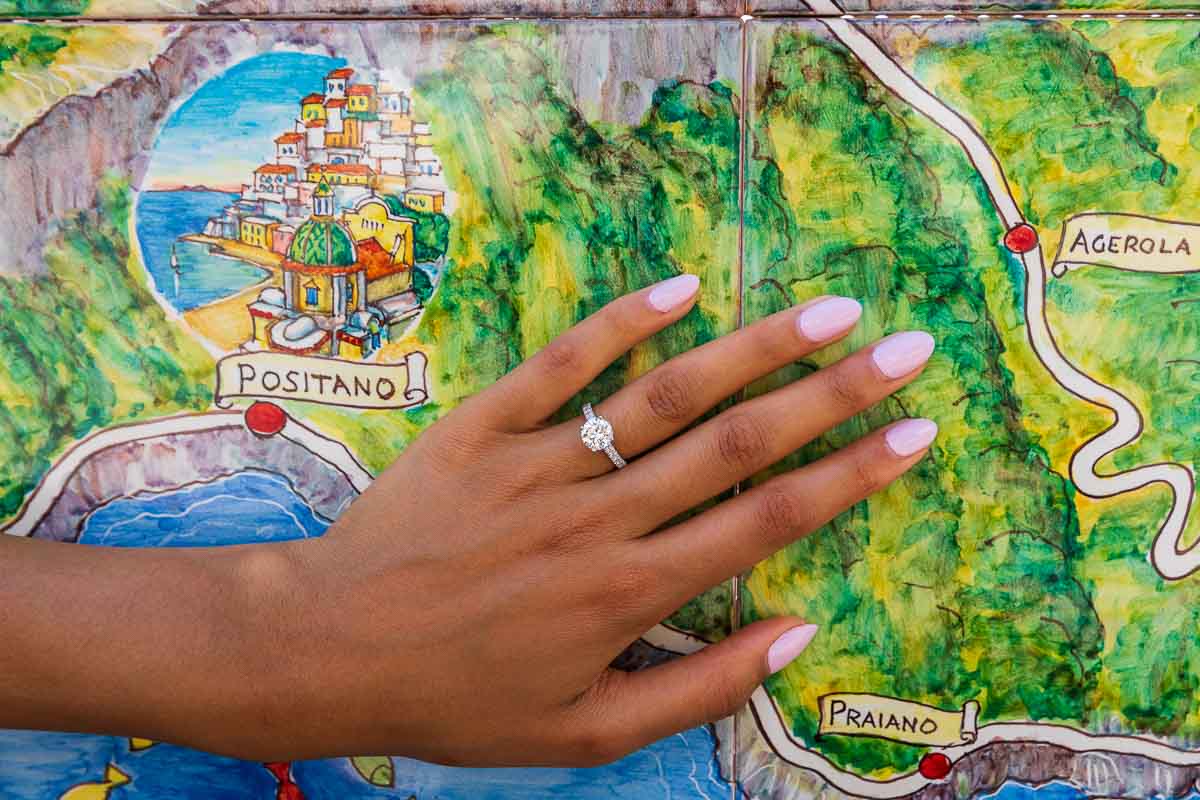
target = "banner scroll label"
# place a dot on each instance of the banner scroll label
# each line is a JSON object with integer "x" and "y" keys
{"x": 880, "y": 717}
{"x": 329, "y": 381}
{"x": 1128, "y": 241}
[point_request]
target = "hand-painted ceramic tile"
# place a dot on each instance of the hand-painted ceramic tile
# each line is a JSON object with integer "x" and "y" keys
{"x": 254, "y": 260}
{"x": 971, "y": 7}
{"x": 1022, "y": 606}
{"x": 155, "y": 9}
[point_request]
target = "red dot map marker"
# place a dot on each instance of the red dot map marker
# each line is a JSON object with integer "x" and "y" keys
{"x": 934, "y": 766}
{"x": 265, "y": 419}
{"x": 1021, "y": 238}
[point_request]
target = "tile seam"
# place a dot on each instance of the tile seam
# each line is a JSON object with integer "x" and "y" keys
{"x": 873, "y": 15}
{"x": 735, "y": 605}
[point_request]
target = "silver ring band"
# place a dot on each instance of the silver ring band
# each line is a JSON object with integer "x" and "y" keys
{"x": 597, "y": 436}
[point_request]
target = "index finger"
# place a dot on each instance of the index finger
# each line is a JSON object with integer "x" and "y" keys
{"x": 529, "y": 394}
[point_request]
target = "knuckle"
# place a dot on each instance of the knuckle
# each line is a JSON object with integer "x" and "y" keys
{"x": 562, "y": 355}
{"x": 724, "y": 698}
{"x": 775, "y": 339}
{"x": 567, "y": 533}
{"x": 591, "y": 739}
{"x": 588, "y": 520}
{"x": 630, "y": 585}
{"x": 453, "y": 446}
{"x": 779, "y": 513}
{"x": 624, "y": 314}
{"x": 843, "y": 389}
{"x": 521, "y": 481}
{"x": 865, "y": 476}
{"x": 559, "y": 540}
{"x": 742, "y": 441}
{"x": 669, "y": 396}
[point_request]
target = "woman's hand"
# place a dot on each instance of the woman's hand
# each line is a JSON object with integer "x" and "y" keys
{"x": 465, "y": 609}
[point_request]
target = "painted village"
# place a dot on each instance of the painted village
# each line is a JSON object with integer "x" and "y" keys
{"x": 347, "y": 215}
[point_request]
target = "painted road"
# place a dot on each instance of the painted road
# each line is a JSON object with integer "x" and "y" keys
{"x": 1166, "y": 555}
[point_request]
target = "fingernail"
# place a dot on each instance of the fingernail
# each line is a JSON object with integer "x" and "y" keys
{"x": 827, "y": 318}
{"x": 901, "y": 353}
{"x": 910, "y": 436}
{"x": 788, "y": 646}
{"x": 673, "y": 292}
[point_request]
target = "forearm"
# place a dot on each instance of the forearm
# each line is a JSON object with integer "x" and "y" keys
{"x": 154, "y": 643}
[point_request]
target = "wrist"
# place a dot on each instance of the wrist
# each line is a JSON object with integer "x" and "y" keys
{"x": 263, "y": 612}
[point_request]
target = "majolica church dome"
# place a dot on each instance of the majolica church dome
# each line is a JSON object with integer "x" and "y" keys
{"x": 322, "y": 276}
{"x": 322, "y": 241}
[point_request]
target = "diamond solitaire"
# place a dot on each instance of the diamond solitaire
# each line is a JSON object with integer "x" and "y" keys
{"x": 597, "y": 436}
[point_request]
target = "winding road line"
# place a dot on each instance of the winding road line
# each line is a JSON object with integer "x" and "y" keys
{"x": 331, "y": 451}
{"x": 779, "y": 738}
{"x": 50, "y": 488}
{"x": 1166, "y": 554}
{"x": 41, "y": 499}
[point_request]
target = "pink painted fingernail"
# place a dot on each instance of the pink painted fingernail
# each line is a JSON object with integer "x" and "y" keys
{"x": 827, "y": 318}
{"x": 901, "y": 353}
{"x": 910, "y": 436}
{"x": 673, "y": 292}
{"x": 789, "y": 646}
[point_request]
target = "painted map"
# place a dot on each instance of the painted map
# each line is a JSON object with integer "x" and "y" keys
{"x": 246, "y": 261}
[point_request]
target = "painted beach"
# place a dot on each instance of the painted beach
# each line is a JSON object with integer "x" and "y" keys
{"x": 205, "y": 274}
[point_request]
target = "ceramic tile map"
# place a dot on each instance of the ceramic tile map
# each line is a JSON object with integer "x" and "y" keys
{"x": 1038, "y": 8}
{"x": 192, "y": 209}
{"x": 230, "y": 200}
{"x": 1018, "y": 606}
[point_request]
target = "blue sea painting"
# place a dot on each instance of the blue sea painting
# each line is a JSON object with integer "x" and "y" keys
{"x": 204, "y": 275}
{"x": 680, "y": 767}
{"x": 253, "y": 506}
{"x": 194, "y": 175}
{"x": 1052, "y": 790}
{"x": 249, "y": 104}
{"x": 41, "y": 766}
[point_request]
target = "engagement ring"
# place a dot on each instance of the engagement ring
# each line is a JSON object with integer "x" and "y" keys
{"x": 597, "y": 436}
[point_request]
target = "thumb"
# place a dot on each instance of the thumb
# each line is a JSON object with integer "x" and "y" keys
{"x": 632, "y": 710}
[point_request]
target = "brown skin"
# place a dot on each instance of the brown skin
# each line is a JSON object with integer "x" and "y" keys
{"x": 466, "y": 608}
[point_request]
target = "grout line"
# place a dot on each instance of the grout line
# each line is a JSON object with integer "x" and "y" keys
{"x": 363, "y": 18}
{"x": 928, "y": 15}
{"x": 735, "y": 594}
{"x": 982, "y": 15}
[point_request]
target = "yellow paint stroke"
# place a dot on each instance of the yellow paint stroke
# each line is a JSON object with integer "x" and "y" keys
{"x": 94, "y": 57}
{"x": 100, "y": 790}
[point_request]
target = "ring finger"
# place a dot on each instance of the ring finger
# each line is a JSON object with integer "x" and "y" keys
{"x": 662, "y": 402}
